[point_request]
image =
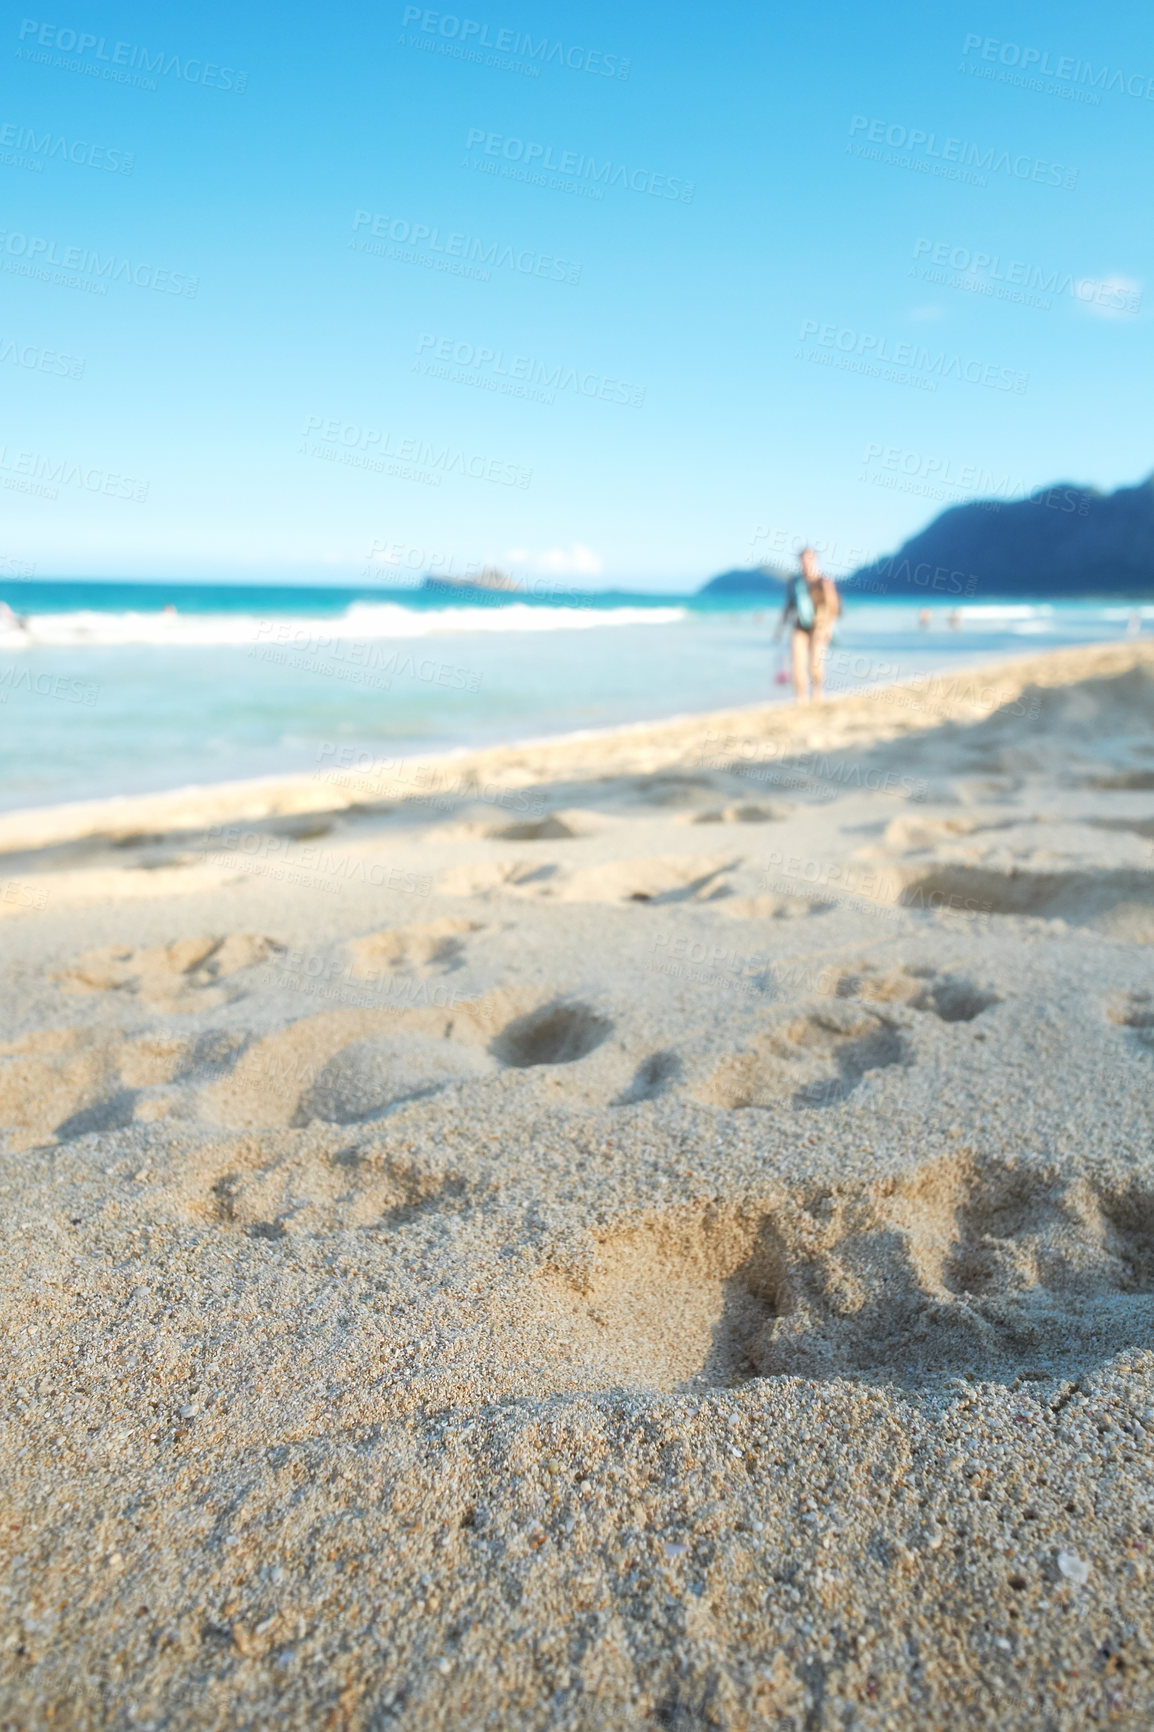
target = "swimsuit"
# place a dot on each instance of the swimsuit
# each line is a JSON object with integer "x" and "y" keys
{"x": 797, "y": 584}
{"x": 822, "y": 613}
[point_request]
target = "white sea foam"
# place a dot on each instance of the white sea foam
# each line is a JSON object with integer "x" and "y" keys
{"x": 1007, "y": 610}
{"x": 363, "y": 619}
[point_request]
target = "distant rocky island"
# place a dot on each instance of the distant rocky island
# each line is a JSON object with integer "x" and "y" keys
{"x": 489, "y": 579}
{"x": 1064, "y": 540}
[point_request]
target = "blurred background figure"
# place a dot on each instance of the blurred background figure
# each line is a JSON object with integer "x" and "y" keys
{"x": 812, "y": 605}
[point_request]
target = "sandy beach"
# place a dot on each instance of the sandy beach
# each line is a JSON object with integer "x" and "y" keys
{"x": 652, "y": 1230}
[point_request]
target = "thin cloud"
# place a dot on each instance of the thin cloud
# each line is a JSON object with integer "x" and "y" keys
{"x": 1108, "y": 297}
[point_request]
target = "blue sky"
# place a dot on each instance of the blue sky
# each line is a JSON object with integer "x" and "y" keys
{"x": 604, "y": 295}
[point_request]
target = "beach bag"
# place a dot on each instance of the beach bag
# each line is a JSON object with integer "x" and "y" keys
{"x": 802, "y": 603}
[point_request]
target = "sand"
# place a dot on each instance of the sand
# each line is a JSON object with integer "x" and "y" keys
{"x": 649, "y": 1231}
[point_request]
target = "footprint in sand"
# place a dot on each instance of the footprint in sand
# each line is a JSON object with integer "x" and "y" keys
{"x": 184, "y": 976}
{"x": 672, "y": 878}
{"x": 68, "y": 1082}
{"x": 674, "y": 790}
{"x": 272, "y": 1082}
{"x": 774, "y": 907}
{"x": 433, "y": 947}
{"x": 1000, "y": 1271}
{"x": 367, "y": 1078}
{"x": 352, "y": 1066}
{"x": 675, "y": 1300}
{"x": 272, "y": 1189}
{"x": 542, "y": 827}
{"x": 551, "y": 828}
{"x": 947, "y": 996}
{"x": 925, "y": 832}
{"x": 747, "y": 813}
{"x": 558, "y": 1033}
{"x": 653, "y": 1077}
{"x": 816, "y": 1060}
{"x": 498, "y": 877}
{"x": 1135, "y": 1011}
{"x": 1118, "y": 903}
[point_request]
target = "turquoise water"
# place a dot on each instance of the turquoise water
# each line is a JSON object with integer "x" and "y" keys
{"x": 102, "y": 692}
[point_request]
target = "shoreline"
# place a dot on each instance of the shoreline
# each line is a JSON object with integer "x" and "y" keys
{"x": 924, "y": 698}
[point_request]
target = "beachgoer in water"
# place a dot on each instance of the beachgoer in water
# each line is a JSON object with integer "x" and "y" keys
{"x": 925, "y": 619}
{"x": 954, "y": 619}
{"x": 812, "y": 604}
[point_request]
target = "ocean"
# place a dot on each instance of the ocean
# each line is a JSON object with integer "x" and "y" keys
{"x": 119, "y": 688}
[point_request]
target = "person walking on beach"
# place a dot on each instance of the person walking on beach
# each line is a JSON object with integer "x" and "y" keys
{"x": 812, "y": 604}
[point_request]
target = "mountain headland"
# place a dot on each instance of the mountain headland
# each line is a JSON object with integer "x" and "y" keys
{"x": 1062, "y": 541}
